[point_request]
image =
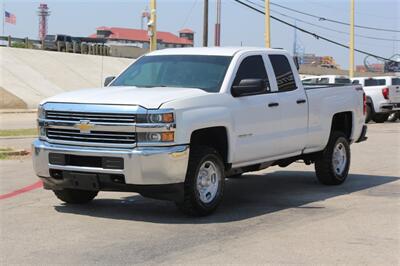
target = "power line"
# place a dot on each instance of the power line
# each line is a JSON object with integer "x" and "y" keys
{"x": 325, "y": 28}
{"x": 321, "y": 3}
{"x": 338, "y": 31}
{"x": 332, "y": 20}
{"x": 311, "y": 33}
{"x": 189, "y": 13}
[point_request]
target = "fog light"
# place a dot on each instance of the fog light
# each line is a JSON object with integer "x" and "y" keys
{"x": 167, "y": 137}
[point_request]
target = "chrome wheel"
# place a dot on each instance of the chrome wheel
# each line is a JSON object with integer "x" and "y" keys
{"x": 208, "y": 180}
{"x": 339, "y": 158}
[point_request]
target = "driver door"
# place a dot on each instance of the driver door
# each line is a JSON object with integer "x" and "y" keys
{"x": 256, "y": 117}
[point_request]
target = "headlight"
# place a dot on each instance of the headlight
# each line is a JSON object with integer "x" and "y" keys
{"x": 41, "y": 132}
{"x": 155, "y": 118}
{"x": 41, "y": 113}
{"x": 156, "y": 136}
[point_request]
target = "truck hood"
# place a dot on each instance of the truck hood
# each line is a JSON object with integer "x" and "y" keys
{"x": 150, "y": 98}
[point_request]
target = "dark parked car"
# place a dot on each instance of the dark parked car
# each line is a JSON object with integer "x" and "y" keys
{"x": 50, "y": 42}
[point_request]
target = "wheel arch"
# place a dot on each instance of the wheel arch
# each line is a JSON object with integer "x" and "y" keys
{"x": 215, "y": 137}
{"x": 343, "y": 122}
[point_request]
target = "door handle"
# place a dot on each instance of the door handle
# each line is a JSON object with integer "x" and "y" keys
{"x": 273, "y": 104}
{"x": 300, "y": 101}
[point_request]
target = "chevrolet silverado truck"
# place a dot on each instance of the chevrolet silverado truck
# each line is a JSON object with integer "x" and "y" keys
{"x": 382, "y": 99}
{"x": 177, "y": 122}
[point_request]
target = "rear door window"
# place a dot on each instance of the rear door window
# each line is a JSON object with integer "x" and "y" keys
{"x": 371, "y": 82}
{"x": 381, "y": 81}
{"x": 283, "y": 73}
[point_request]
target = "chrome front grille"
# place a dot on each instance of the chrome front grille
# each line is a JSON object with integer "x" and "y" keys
{"x": 91, "y": 125}
{"x": 94, "y": 136}
{"x": 92, "y": 117}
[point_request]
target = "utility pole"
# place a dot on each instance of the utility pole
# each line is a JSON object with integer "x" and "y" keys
{"x": 152, "y": 26}
{"x": 267, "y": 25}
{"x": 351, "y": 59}
{"x": 205, "y": 24}
{"x": 217, "y": 33}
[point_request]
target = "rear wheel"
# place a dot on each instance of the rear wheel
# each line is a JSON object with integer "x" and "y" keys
{"x": 380, "y": 118}
{"x": 368, "y": 113}
{"x": 204, "y": 183}
{"x": 75, "y": 196}
{"x": 393, "y": 117}
{"x": 333, "y": 166}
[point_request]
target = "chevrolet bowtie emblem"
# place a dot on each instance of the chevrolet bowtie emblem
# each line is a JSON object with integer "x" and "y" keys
{"x": 84, "y": 126}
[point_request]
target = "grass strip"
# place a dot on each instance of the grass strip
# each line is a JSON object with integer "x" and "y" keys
{"x": 18, "y": 132}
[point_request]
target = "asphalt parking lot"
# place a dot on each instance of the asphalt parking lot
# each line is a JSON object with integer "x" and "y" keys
{"x": 276, "y": 216}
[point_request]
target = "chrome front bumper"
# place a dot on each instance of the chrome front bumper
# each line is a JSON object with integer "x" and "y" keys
{"x": 142, "y": 166}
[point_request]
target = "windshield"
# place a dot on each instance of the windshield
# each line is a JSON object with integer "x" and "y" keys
{"x": 371, "y": 82}
{"x": 50, "y": 37}
{"x": 183, "y": 71}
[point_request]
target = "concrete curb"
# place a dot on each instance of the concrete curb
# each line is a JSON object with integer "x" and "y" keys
{"x": 17, "y": 111}
{"x": 19, "y": 137}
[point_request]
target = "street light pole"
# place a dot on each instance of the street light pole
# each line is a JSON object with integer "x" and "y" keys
{"x": 267, "y": 25}
{"x": 351, "y": 51}
{"x": 205, "y": 24}
{"x": 152, "y": 26}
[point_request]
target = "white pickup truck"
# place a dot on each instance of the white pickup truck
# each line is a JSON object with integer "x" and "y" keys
{"x": 382, "y": 97}
{"x": 176, "y": 122}
{"x": 326, "y": 79}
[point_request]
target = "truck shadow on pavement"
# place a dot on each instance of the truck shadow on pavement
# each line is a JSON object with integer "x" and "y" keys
{"x": 246, "y": 197}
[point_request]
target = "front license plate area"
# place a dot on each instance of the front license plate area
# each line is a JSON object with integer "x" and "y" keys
{"x": 82, "y": 181}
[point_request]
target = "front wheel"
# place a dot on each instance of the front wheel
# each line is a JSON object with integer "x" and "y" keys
{"x": 204, "y": 183}
{"x": 75, "y": 196}
{"x": 333, "y": 166}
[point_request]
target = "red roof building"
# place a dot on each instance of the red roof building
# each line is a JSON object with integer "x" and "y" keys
{"x": 140, "y": 38}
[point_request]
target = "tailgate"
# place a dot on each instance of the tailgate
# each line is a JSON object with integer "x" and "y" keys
{"x": 394, "y": 93}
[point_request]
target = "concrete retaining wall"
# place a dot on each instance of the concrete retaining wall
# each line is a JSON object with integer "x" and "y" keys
{"x": 33, "y": 75}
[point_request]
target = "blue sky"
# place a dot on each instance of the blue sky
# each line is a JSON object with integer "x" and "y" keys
{"x": 239, "y": 25}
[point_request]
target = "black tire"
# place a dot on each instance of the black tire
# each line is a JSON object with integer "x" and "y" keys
{"x": 75, "y": 196}
{"x": 325, "y": 170}
{"x": 235, "y": 176}
{"x": 393, "y": 117}
{"x": 192, "y": 203}
{"x": 380, "y": 118}
{"x": 368, "y": 115}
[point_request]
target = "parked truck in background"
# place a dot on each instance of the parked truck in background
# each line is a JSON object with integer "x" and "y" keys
{"x": 177, "y": 122}
{"x": 383, "y": 98}
{"x": 391, "y": 81}
{"x": 326, "y": 79}
{"x": 51, "y": 42}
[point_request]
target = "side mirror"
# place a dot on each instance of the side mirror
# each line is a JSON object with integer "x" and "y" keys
{"x": 108, "y": 80}
{"x": 249, "y": 87}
